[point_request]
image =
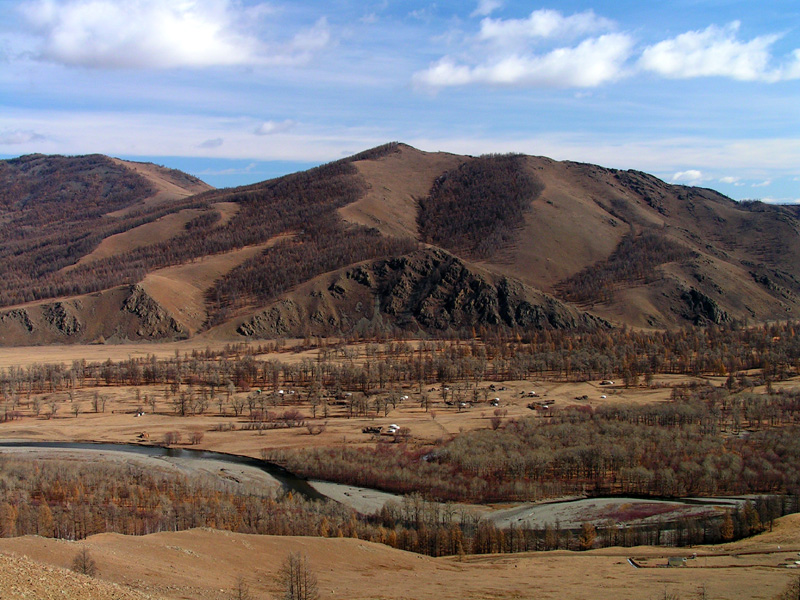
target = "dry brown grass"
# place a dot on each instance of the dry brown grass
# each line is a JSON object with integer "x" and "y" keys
{"x": 206, "y": 564}
{"x": 160, "y": 230}
{"x": 119, "y": 424}
{"x": 395, "y": 182}
{"x": 24, "y": 578}
{"x": 181, "y": 289}
{"x": 165, "y": 183}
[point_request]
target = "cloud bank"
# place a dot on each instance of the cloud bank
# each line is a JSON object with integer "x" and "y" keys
{"x": 162, "y": 35}
{"x": 551, "y": 50}
{"x": 716, "y": 52}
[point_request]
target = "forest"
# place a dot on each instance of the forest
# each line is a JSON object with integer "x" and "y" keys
{"x": 478, "y": 209}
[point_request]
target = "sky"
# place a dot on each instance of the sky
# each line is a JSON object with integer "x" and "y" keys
{"x": 697, "y": 92}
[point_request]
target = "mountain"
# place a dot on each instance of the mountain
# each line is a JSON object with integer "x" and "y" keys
{"x": 391, "y": 239}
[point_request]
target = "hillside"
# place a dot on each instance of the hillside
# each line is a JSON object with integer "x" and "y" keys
{"x": 205, "y": 564}
{"x": 439, "y": 237}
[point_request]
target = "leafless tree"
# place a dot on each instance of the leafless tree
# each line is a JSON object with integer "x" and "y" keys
{"x": 172, "y": 437}
{"x": 241, "y": 591}
{"x": 84, "y": 563}
{"x": 297, "y": 579}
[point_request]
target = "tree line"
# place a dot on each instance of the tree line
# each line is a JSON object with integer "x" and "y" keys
{"x": 73, "y": 500}
{"x": 748, "y": 356}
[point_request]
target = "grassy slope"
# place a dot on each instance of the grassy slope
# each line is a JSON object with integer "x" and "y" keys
{"x": 206, "y": 564}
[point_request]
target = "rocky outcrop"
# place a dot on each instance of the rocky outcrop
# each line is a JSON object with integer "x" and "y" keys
{"x": 702, "y": 309}
{"x": 62, "y": 317}
{"x": 125, "y": 313}
{"x": 154, "y": 321}
{"x": 427, "y": 291}
{"x": 19, "y": 317}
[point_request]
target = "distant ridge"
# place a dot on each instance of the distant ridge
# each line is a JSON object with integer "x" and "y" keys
{"x": 595, "y": 246}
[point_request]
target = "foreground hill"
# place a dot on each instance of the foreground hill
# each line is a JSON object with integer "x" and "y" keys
{"x": 392, "y": 239}
{"x": 206, "y": 564}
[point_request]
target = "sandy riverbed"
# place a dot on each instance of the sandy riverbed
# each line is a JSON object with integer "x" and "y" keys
{"x": 243, "y": 475}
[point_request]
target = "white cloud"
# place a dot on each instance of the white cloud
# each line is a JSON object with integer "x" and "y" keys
{"x": 158, "y": 34}
{"x": 543, "y": 24}
{"x": 506, "y": 54}
{"x": 716, "y": 51}
{"x": 591, "y": 63}
{"x": 730, "y": 180}
{"x": 273, "y": 127}
{"x": 486, "y": 7}
{"x": 765, "y": 183}
{"x": 17, "y": 136}
{"x": 308, "y": 41}
{"x": 690, "y": 177}
{"x": 185, "y": 135}
{"x": 212, "y": 143}
{"x": 538, "y": 51}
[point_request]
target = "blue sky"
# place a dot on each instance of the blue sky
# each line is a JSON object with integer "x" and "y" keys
{"x": 697, "y": 92}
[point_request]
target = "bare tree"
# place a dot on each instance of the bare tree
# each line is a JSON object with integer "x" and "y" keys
{"x": 241, "y": 590}
{"x": 172, "y": 437}
{"x": 297, "y": 579}
{"x": 84, "y": 563}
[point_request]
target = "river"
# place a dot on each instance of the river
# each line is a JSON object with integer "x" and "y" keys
{"x": 271, "y": 477}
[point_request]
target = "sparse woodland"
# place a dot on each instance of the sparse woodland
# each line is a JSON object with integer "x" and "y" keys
{"x": 707, "y": 440}
{"x": 635, "y": 357}
{"x": 685, "y": 448}
{"x": 71, "y": 500}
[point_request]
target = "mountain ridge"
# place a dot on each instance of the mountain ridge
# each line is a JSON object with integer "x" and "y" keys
{"x": 623, "y": 246}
